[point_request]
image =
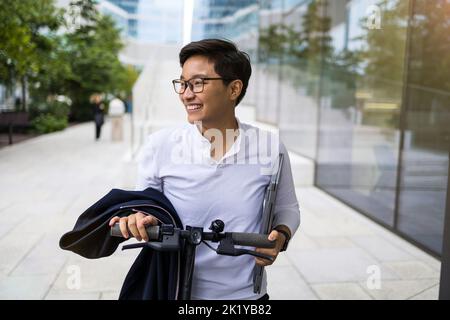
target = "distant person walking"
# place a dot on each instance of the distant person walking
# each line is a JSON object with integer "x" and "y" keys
{"x": 99, "y": 116}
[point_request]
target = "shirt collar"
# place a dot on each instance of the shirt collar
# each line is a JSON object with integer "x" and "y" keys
{"x": 204, "y": 144}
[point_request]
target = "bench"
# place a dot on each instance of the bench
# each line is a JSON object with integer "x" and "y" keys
{"x": 13, "y": 119}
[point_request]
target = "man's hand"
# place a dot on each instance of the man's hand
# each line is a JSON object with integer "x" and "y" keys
{"x": 273, "y": 252}
{"x": 136, "y": 223}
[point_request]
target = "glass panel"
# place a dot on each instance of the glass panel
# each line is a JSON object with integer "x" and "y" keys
{"x": 425, "y": 158}
{"x": 361, "y": 95}
{"x": 304, "y": 42}
{"x": 268, "y": 67}
{"x": 234, "y": 20}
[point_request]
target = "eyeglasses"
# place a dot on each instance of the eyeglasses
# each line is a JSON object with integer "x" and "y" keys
{"x": 195, "y": 84}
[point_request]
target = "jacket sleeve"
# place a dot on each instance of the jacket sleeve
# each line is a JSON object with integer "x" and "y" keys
{"x": 91, "y": 237}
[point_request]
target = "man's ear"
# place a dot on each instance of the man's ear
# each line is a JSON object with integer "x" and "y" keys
{"x": 235, "y": 89}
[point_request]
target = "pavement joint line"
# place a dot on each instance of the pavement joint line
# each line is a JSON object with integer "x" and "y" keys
{"x": 6, "y": 207}
{"x": 415, "y": 295}
{"x": 8, "y": 232}
{"x": 402, "y": 280}
{"x": 369, "y": 254}
{"x": 396, "y": 247}
{"x": 301, "y": 276}
{"x": 382, "y": 234}
{"x": 365, "y": 289}
{"x": 26, "y": 254}
{"x": 70, "y": 205}
{"x": 56, "y": 277}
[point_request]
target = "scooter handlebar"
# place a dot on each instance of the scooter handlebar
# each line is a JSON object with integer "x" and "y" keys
{"x": 252, "y": 240}
{"x": 239, "y": 238}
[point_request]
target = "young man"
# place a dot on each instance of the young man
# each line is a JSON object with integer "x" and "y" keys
{"x": 215, "y": 167}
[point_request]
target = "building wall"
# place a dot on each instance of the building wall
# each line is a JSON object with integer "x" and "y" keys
{"x": 236, "y": 20}
{"x": 153, "y": 21}
{"x": 358, "y": 86}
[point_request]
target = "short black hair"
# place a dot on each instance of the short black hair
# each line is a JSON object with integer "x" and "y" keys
{"x": 229, "y": 61}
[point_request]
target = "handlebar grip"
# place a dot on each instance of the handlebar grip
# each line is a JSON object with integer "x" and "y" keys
{"x": 252, "y": 240}
{"x": 152, "y": 231}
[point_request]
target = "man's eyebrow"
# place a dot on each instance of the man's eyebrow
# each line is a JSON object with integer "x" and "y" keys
{"x": 196, "y": 75}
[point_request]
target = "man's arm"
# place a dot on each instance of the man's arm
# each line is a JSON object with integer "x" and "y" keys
{"x": 286, "y": 211}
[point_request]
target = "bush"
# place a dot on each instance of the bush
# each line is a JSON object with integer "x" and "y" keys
{"x": 46, "y": 123}
{"x": 49, "y": 115}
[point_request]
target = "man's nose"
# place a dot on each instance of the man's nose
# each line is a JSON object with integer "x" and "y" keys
{"x": 188, "y": 94}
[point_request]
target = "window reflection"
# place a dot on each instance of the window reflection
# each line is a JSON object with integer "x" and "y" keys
{"x": 425, "y": 154}
{"x": 358, "y": 83}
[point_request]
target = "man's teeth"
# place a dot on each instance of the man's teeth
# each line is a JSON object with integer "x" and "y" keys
{"x": 194, "y": 106}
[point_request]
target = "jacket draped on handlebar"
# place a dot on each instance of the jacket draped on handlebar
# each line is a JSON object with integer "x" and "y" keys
{"x": 154, "y": 275}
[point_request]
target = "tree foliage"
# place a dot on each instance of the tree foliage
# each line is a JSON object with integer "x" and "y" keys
{"x": 71, "y": 52}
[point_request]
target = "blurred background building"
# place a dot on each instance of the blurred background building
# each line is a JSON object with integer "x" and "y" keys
{"x": 145, "y": 24}
{"x": 155, "y": 21}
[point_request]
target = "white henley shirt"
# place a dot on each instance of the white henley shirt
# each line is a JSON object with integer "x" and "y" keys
{"x": 177, "y": 162}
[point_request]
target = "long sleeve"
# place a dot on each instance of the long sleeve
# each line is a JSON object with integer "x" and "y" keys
{"x": 286, "y": 211}
{"x": 148, "y": 171}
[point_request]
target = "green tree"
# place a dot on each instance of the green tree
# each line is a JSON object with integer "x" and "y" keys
{"x": 383, "y": 54}
{"x": 92, "y": 48}
{"x": 311, "y": 43}
{"x": 315, "y": 37}
{"x": 55, "y": 52}
{"x": 26, "y": 27}
{"x": 125, "y": 81}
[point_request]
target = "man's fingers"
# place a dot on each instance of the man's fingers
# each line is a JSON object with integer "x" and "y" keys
{"x": 268, "y": 252}
{"x": 140, "y": 224}
{"x": 263, "y": 262}
{"x": 113, "y": 221}
{"x": 133, "y": 227}
{"x": 150, "y": 220}
{"x": 123, "y": 222}
{"x": 273, "y": 235}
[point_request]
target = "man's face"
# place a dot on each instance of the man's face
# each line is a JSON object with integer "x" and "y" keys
{"x": 213, "y": 104}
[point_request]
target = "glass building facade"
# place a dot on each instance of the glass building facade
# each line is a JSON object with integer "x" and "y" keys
{"x": 153, "y": 21}
{"x": 362, "y": 87}
{"x": 231, "y": 19}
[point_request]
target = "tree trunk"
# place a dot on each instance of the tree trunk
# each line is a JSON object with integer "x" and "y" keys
{"x": 23, "y": 81}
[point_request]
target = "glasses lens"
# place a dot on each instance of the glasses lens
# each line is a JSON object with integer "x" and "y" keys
{"x": 197, "y": 85}
{"x": 179, "y": 86}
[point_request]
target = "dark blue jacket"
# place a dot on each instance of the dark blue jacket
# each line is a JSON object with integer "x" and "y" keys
{"x": 154, "y": 275}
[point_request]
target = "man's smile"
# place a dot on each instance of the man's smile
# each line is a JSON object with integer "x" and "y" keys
{"x": 193, "y": 107}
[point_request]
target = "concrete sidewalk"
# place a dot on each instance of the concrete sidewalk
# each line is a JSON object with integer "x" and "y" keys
{"x": 49, "y": 181}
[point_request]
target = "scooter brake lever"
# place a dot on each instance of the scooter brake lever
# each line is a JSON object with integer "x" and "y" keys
{"x": 240, "y": 252}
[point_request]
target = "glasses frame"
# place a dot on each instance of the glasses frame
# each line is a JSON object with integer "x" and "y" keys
{"x": 191, "y": 86}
